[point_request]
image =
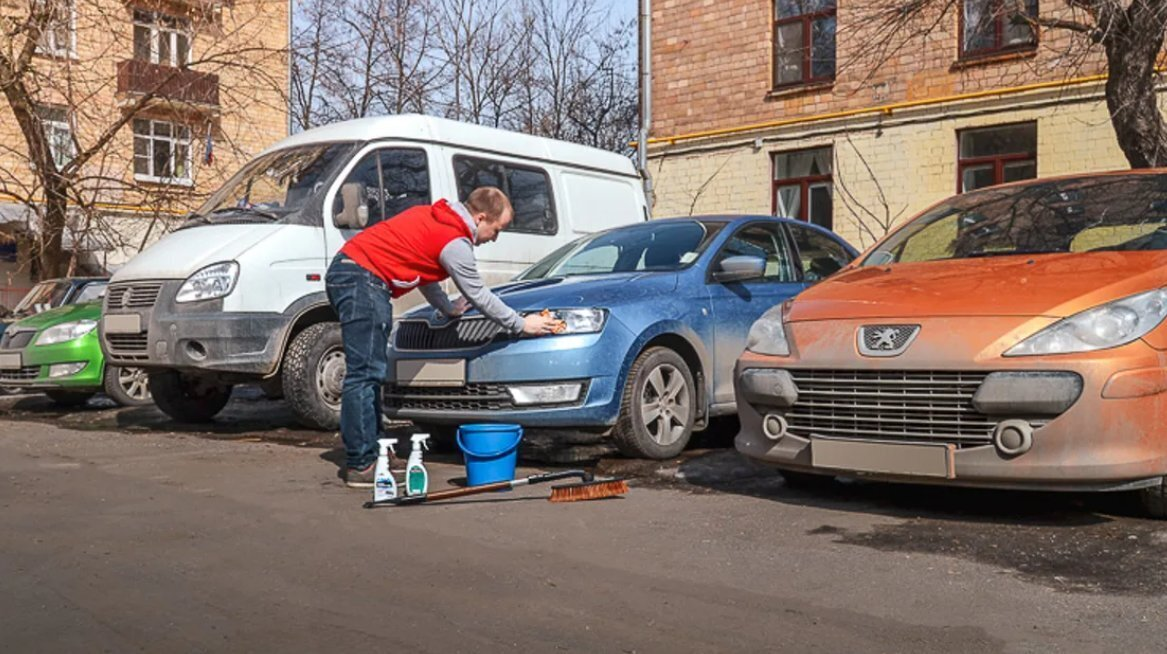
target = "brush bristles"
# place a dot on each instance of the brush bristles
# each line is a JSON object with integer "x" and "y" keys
{"x": 592, "y": 490}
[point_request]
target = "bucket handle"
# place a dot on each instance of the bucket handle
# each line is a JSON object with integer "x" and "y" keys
{"x": 491, "y": 455}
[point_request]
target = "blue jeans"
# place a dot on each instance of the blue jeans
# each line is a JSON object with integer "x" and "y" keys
{"x": 361, "y": 300}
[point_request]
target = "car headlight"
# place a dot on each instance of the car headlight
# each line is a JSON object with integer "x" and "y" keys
{"x": 66, "y": 331}
{"x": 768, "y": 335}
{"x": 214, "y": 281}
{"x": 579, "y": 321}
{"x": 1110, "y": 325}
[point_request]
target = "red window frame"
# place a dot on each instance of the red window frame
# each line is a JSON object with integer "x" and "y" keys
{"x": 999, "y": 18}
{"x": 804, "y": 184}
{"x": 998, "y": 160}
{"x": 807, "y": 21}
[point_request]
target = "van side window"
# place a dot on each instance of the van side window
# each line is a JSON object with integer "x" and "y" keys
{"x": 382, "y": 184}
{"x": 528, "y": 188}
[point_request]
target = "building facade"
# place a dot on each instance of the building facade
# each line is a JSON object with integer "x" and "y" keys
{"x": 822, "y": 111}
{"x": 177, "y": 93}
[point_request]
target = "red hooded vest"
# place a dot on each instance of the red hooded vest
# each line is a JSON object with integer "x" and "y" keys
{"x": 403, "y": 250}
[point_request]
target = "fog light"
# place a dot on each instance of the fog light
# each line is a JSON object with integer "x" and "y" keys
{"x": 545, "y": 394}
{"x": 774, "y": 426}
{"x": 66, "y": 369}
{"x": 1013, "y": 437}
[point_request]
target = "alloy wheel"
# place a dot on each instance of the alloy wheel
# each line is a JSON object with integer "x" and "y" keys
{"x": 664, "y": 404}
{"x": 135, "y": 383}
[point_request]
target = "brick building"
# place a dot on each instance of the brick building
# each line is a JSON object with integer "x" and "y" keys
{"x": 215, "y": 71}
{"x": 747, "y": 119}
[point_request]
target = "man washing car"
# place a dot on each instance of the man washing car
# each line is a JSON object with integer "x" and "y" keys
{"x": 417, "y": 248}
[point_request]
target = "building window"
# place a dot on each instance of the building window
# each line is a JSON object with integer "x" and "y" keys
{"x": 804, "y": 41}
{"x": 992, "y": 26}
{"x": 59, "y": 38}
{"x": 995, "y": 155}
{"x": 161, "y": 151}
{"x": 161, "y": 39}
{"x": 802, "y": 185}
{"x": 55, "y": 122}
{"x": 528, "y": 188}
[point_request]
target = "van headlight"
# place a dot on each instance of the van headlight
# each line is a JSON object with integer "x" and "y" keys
{"x": 768, "y": 334}
{"x": 66, "y": 331}
{"x": 214, "y": 281}
{"x": 1110, "y": 325}
{"x": 578, "y": 321}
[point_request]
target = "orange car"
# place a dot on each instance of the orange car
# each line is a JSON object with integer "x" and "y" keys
{"x": 1011, "y": 337}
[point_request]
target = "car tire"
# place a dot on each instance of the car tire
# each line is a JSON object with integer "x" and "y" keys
{"x": 659, "y": 381}
{"x": 69, "y": 399}
{"x": 186, "y": 399}
{"x": 127, "y": 386}
{"x": 314, "y": 376}
{"x": 806, "y": 480}
{"x": 1153, "y": 500}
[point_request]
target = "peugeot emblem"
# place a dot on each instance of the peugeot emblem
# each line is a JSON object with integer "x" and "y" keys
{"x": 886, "y": 340}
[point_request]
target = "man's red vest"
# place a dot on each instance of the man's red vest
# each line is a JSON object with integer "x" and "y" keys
{"x": 404, "y": 250}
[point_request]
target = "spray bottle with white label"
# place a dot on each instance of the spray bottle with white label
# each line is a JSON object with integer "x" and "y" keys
{"x": 384, "y": 485}
{"x": 417, "y": 479}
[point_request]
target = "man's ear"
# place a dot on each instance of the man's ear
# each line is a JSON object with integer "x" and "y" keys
{"x": 479, "y": 217}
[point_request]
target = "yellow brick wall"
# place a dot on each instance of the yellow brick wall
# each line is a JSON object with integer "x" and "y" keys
{"x": 913, "y": 159}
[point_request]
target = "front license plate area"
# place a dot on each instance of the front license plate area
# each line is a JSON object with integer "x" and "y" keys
{"x": 431, "y": 372}
{"x": 11, "y": 361}
{"x": 123, "y": 324}
{"x": 911, "y": 459}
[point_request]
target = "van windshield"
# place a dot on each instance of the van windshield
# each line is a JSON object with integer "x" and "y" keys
{"x": 636, "y": 248}
{"x": 275, "y": 186}
{"x": 1081, "y": 214}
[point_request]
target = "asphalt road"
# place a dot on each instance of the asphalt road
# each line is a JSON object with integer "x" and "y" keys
{"x": 122, "y": 532}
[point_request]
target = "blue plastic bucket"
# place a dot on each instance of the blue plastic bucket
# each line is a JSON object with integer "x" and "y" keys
{"x": 490, "y": 452}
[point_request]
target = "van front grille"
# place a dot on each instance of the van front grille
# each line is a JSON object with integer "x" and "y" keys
{"x": 140, "y": 295}
{"x": 127, "y": 342}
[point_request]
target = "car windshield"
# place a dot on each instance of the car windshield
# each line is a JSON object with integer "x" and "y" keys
{"x": 1084, "y": 214}
{"x": 274, "y": 186}
{"x": 43, "y": 296}
{"x": 643, "y": 247}
{"x": 92, "y": 292}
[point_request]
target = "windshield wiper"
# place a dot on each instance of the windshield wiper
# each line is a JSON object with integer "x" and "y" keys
{"x": 1006, "y": 253}
{"x": 248, "y": 210}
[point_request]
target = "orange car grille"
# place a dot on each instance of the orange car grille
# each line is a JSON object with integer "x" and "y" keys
{"x": 895, "y": 405}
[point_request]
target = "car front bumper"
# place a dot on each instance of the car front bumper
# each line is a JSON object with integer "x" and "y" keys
{"x": 1109, "y": 438}
{"x": 592, "y": 360}
{"x": 37, "y": 361}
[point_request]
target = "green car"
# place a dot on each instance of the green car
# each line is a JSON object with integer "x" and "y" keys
{"x": 58, "y": 352}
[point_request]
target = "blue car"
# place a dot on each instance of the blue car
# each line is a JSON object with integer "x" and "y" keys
{"x": 655, "y": 314}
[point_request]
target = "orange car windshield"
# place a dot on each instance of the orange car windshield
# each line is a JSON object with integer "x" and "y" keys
{"x": 1085, "y": 214}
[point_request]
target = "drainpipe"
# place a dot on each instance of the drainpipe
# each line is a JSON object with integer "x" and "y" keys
{"x": 291, "y": 22}
{"x": 645, "y": 98}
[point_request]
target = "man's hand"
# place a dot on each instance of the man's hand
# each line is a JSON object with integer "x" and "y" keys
{"x": 460, "y": 306}
{"x": 539, "y": 325}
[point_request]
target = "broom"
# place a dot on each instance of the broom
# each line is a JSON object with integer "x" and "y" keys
{"x": 588, "y": 488}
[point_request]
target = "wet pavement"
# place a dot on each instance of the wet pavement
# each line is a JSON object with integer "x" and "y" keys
{"x": 933, "y": 568}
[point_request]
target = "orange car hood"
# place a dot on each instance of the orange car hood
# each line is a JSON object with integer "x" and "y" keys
{"x": 1055, "y": 285}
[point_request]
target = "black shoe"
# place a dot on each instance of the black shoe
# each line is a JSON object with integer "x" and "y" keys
{"x": 363, "y": 478}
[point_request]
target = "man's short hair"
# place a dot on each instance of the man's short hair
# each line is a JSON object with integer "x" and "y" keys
{"x": 490, "y": 201}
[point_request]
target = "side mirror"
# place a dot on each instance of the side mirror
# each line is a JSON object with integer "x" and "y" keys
{"x": 739, "y": 269}
{"x": 354, "y": 210}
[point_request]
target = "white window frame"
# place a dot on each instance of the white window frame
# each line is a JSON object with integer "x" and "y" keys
{"x": 48, "y": 43}
{"x": 61, "y": 128}
{"x": 174, "y": 141}
{"x": 158, "y": 31}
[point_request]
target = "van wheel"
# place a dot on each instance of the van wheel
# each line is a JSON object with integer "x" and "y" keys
{"x": 659, "y": 407}
{"x": 127, "y": 386}
{"x": 187, "y": 399}
{"x": 314, "y": 376}
{"x": 68, "y": 399}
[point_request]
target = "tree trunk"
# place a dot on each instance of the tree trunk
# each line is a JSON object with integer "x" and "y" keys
{"x": 1132, "y": 46}
{"x": 51, "y": 253}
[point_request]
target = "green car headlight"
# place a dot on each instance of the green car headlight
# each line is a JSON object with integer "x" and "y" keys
{"x": 66, "y": 331}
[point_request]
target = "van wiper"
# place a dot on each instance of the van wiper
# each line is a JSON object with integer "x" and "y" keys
{"x": 247, "y": 210}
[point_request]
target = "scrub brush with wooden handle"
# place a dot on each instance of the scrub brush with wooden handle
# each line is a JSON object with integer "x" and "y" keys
{"x": 588, "y": 488}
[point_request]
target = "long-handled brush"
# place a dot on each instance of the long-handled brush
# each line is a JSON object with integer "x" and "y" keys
{"x": 588, "y": 488}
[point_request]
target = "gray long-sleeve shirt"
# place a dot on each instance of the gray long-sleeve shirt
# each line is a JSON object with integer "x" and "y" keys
{"x": 457, "y": 258}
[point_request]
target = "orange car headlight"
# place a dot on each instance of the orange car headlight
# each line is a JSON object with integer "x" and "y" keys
{"x": 1106, "y": 326}
{"x": 768, "y": 334}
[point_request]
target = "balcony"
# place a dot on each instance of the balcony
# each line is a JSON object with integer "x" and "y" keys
{"x": 193, "y": 88}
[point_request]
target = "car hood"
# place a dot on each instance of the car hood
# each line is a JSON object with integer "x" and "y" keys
{"x": 63, "y": 314}
{"x": 600, "y": 291}
{"x": 180, "y": 254}
{"x": 1054, "y": 285}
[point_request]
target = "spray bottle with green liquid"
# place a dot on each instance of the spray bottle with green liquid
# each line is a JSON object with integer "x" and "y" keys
{"x": 417, "y": 478}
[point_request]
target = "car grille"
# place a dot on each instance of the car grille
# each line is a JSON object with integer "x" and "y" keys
{"x": 127, "y": 342}
{"x": 27, "y": 373}
{"x": 920, "y": 406}
{"x": 471, "y": 397}
{"x": 132, "y": 296}
{"x": 16, "y": 340}
{"x": 460, "y": 334}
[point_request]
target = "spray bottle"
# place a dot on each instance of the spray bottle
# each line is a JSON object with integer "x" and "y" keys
{"x": 384, "y": 485}
{"x": 417, "y": 479}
